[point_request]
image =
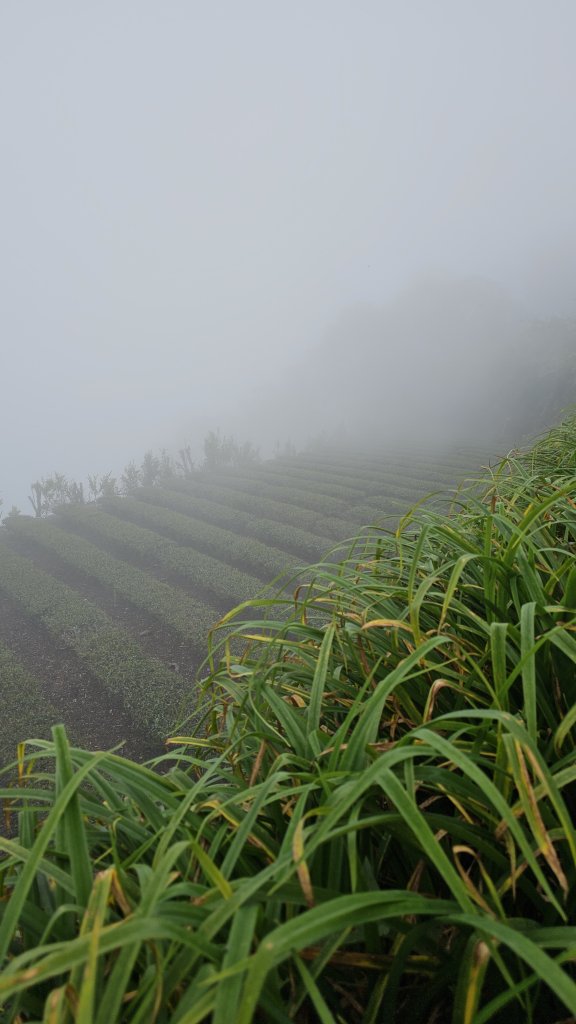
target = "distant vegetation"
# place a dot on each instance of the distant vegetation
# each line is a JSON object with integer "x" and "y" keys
{"x": 50, "y": 493}
{"x": 375, "y": 820}
{"x": 119, "y": 592}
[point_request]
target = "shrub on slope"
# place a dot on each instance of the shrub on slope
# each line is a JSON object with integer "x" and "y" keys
{"x": 379, "y": 824}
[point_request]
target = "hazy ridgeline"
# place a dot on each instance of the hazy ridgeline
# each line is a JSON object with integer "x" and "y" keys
{"x": 449, "y": 361}
{"x": 446, "y": 361}
{"x": 282, "y": 222}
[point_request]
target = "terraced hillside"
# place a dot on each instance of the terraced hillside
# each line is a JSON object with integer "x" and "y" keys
{"x": 105, "y": 608}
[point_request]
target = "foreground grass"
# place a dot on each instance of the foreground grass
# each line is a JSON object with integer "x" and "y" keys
{"x": 378, "y": 824}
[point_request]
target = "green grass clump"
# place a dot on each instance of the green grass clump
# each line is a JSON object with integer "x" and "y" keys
{"x": 379, "y": 822}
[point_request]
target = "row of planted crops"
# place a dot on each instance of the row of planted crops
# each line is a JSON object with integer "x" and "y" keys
{"x": 375, "y": 819}
{"x": 129, "y": 588}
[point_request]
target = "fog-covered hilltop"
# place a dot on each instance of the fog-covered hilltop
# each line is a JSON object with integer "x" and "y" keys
{"x": 446, "y": 359}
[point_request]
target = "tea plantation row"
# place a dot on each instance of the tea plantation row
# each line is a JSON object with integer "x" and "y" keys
{"x": 167, "y": 563}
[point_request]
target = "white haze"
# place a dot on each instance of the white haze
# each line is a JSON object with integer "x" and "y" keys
{"x": 203, "y": 205}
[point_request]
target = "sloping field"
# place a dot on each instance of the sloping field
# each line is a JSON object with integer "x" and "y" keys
{"x": 123, "y": 593}
{"x": 378, "y": 822}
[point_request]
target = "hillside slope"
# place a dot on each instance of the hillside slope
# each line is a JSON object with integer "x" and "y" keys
{"x": 108, "y": 605}
{"x": 379, "y": 824}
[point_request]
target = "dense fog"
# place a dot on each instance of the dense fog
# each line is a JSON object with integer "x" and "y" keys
{"x": 281, "y": 221}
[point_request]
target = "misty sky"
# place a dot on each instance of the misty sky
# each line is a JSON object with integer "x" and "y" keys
{"x": 193, "y": 193}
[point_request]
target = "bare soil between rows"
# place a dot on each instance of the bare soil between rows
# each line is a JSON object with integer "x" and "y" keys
{"x": 162, "y": 573}
{"x": 155, "y": 637}
{"x": 94, "y": 717}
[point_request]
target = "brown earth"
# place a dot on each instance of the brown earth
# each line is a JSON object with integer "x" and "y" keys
{"x": 94, "y": 718}
{"x": 155, "y": 637}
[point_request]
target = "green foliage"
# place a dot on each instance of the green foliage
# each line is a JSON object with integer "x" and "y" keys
{"x": 150, "y": 470}
{"x": 276, "y": 509}
{"x": 102, "y": 486}
{"x": 304, "y": 497}
{"x": 48, "y": 494}
{"x": 25, "y": 710}
{"x": 244, "y": 552}
{"x": 185, "y": 462}
{"x": 221, "y": 581}
{"x": 377, "y": 825}
{"x": 225, "y": 451}
{"x": 131, "y": 478}
{"x": 149, "y": 690}
{"x": 191, "y": 619}
{"x": 283, "y": 536}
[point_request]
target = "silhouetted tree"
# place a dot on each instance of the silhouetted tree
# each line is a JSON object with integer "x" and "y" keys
{"x": 225, "y": 451}
{"x": 185, "y": 461}
{"x": 102, "y": 486}
{"x": 37, "y": 499}
{"x": 108, "y": 486}
{"x": 131, "y": 478}
{"x": 150, "y": 470}
{"x": 48, "y": 494}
